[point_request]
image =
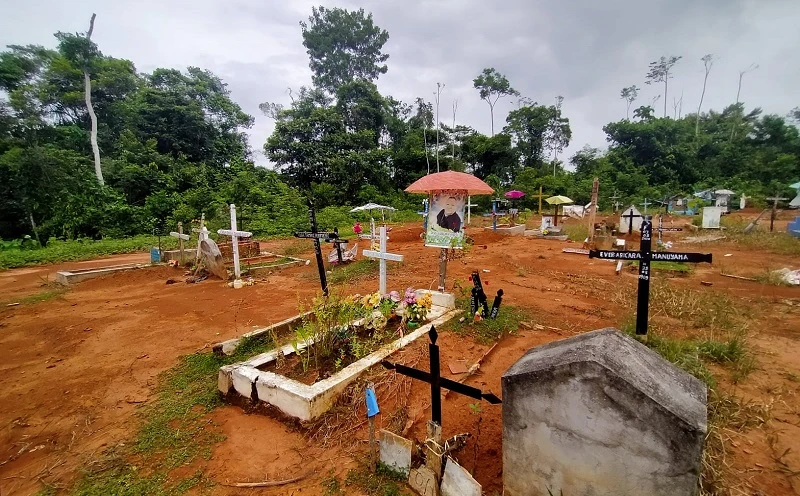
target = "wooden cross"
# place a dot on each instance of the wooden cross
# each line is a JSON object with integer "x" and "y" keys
{"x": 661, "y": 227}
{"x": 774, "y": 209}
{"x": 437, "y": 382}
{"x": 645, "y": 255}
{"x": 181, "y": 238}
{"x": 630, "y": 218}
{"x": 316, "y": 236}
{"x": 235, "y": 235}
{"x": 202, "y": 234}
{"x": 383, "y": 256}
{"x": 539, "y": 196}
{"x": 593, "y": 207}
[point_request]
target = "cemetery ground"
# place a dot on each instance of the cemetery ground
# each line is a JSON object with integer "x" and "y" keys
{"x": 110, "y": 385}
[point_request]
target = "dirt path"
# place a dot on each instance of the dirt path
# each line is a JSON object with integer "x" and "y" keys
{"x": 77, "y": 366}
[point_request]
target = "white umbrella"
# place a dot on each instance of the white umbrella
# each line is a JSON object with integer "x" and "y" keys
{"x": 372, "y": 206}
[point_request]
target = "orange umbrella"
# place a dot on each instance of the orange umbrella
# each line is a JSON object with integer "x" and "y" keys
{"x": 450, "y": 180}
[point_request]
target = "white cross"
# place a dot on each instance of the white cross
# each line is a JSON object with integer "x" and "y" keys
{"x": 202, "y": 233}
{"x": 181, "y": 238}
{"x": 469, "y": 209}
{"x": 235, "y": 235}
{"x": 383, "y": 256}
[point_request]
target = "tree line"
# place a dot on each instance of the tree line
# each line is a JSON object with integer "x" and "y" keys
{"x": 90, "y": 147}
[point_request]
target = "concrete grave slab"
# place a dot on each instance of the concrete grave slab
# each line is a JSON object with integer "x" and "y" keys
{"x": 711, "y": 216}
{"x": 457, "y": 481}
{"x": 396, "y": 451}
{"x": 67, "y": 277}
{"x": 601, "y": 415}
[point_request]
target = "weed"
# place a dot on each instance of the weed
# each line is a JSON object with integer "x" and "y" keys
{"x": 296, "y": 247}
{"x": 772, "y": 278}
{"x": 576, "y": 232}
{"x": 365, "y": 267}
{"x": 487, "y": 330}
{"x": 332, "y": 485}
{"x": 128, "y": 481}
{"x": 46, "y": 295}
{"x": 384, "y": 482}
{"x": 775, "y": 242}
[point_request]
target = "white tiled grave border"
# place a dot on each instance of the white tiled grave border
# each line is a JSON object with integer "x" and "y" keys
{"x": 67, "y": 277}
{"x": 306, "y": 402}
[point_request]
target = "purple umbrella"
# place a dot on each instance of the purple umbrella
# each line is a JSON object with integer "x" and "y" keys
{"x": 514, "y": 194}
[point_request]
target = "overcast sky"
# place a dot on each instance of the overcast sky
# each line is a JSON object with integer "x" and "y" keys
{"x": 585, "y": 50}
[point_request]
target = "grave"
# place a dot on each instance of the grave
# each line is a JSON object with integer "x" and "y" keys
{"x": 630, "y": 220}
{"x": 711, "y": 216}
{"x": 72, "y": 276}
{"x": 382, "y": 255}
{"x": 316, "y": 235}
{"x": 235, "y": 235}
{"x": 600, "y": 414}
{"x": 307, "y": 402}
{"x": 181, "y": 238}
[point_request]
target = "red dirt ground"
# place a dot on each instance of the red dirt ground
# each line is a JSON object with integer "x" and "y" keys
{"x": 76, "y": 367}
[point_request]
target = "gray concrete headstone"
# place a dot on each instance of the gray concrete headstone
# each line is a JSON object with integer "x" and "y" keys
{"x": 457, "y": 481}
{"x": 396, "y": 451}
{"x": 423, "y": 481}
{"x": 601, "y": 415}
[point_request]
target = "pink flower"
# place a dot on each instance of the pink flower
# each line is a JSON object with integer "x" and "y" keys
{"x": 410, "y": 296}
{"x": 394, "y": 296}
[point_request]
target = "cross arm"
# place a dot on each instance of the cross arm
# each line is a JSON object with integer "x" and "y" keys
{"x": 454, "y": 386}
{"x": 382, "y": 255}
{"x": 229, "y": 232}
{"x": 179, "y": 235}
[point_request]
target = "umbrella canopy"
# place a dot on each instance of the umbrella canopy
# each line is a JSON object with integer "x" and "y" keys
{"x": 450, "y": 180}
{"x": 514, "y": 194}
{"x": 372, "y": 206}
{"x": 558, "y": 200}
{"x": 795, "y": 186}
{"x": 724, "y": 192}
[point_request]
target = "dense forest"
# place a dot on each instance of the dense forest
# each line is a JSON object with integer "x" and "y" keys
{"x": 171, "y": 145}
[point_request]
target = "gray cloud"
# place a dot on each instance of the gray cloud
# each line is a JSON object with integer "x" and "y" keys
{"x": 584, "y": 50}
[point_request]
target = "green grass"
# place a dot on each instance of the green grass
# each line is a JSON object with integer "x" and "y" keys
{"x": 384, "y": 482}
{"x": 486, "y": 330}
{"x": 364, "y": 267}
{"x": 46, "y": 295}
{"x": 175, "y": 430}
{"x": 61, "y": 251}
{"x": 576, "y": 232}
{"x": 761, "y": 239}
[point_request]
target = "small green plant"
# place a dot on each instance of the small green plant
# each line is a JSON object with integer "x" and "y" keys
{"x": 487, "y": 330}
{"x": 576, "y": 232}
{"x": 384, "y": 482}
{"x": 331, "y": 485}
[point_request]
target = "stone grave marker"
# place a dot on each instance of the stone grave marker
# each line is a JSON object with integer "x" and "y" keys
{"x": 235, "y": 235}
{"x": 457, "y": 481}
{"x": 423, "y": 481}
{"x": 600, "y": 414}
{"x": 382, "y": 255}
{"x": 711, "y": 217}
{"x": 395, "y": 451}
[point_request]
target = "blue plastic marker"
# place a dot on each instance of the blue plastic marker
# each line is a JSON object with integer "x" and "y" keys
{"x": 372, "y": 403}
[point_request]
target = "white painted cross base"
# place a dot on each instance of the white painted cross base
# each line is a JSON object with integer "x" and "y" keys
{"x": 235, "y": 235}
{"x": 383, "y": 256}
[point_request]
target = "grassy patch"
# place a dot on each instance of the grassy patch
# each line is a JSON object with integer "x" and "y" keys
{"x": 46, "y": 295}
{"x": 365, "y": 267}
{"x": 486, "y": 330}
{"x": 384, "y": 482}
{"x": 296, "y": 247}
{"x": 82, "y": 249}
{"x": 175, "y": 430}
{"x": 772, "y": 278}
{"x": 776, "y": 242}
{"x": 576, "y": 232}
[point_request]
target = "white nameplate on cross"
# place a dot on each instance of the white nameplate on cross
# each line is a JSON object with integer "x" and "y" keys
{"x": 383, "y": 256}
{"x": 235, "y": 235}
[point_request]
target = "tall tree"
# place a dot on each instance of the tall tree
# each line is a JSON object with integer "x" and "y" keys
{"x": 343, "y": 46}
{"x": 88, "y": 95}
{"x": 438, "y": 94}
{"x": 491, "y": 86}
{"x": 629, "y": 94}
{"x": 708, "y": 61}
{"x": 537, "y": 130}
{"x": 660, "y": 73}
{"x": 749, "y": 68}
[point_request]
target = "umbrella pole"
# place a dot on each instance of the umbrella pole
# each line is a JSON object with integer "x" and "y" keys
{"x": 442, "y": 269}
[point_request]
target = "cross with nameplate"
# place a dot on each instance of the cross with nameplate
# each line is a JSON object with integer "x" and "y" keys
{"x": 437, "y": 382}
{"x": 662, "y": 229}
{"x": 383, "y": 256}
{"x": 645, "y": 255}
{"x": 181, "y": 238}
{"x": 316, "y": 236}
{"x": 235, "y": 234}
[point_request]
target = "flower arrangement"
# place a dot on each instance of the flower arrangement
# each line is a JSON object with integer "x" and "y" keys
{"x": 416, "y": 309}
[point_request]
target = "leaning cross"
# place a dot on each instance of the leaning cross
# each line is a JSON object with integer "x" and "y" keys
{"x": 316, "y": 236}
{"x": 630, "y": 216}
{"x": 645, "y": 256}
{"x": 437, "y": 382}
{"x": 181, "y": 238}
{"x": 235, "y": 235}
{"x": 202, "y": 234}
{"x": 383, "y": 256}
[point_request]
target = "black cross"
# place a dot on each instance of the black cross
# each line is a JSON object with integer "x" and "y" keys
{"x": 316, "y": 236}
{"x": 662, "y": 229}
{"x": 645, "y": 256}
{"x": 338, "y": 243}
{"x": 478, "y": 299}
{"x": 630, "y": 218}
{"x": 437, "y": 382}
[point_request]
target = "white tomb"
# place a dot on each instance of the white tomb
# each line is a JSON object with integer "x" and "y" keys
{"x": 626, "y": 223}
